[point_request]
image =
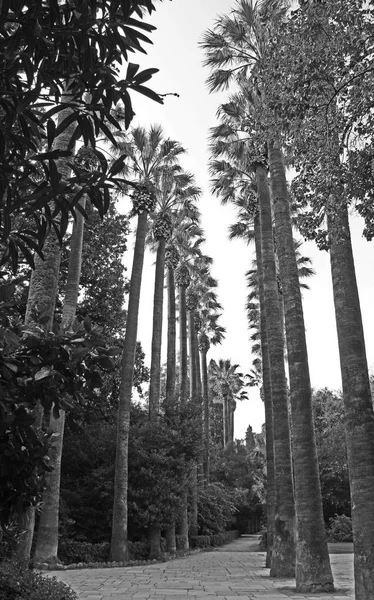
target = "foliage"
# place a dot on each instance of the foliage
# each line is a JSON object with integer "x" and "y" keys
{"x": 57, "y": 370}
{"x": 102, "y": 283}
{"x": 328, "y": 412}
{"x": 158, "y": 457}
{"x": 19, "y": 584}
{"x": 216, "y": 508}
{"x": 160, "y": 453}
{"x": 340, "y": 529}
{"x": 317, "y": 79}
{"x": 51, "y": 55}
{"x": 74, "y": 551}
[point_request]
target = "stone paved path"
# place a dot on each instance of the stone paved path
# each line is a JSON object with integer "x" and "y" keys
{"x": 234, "y": 572}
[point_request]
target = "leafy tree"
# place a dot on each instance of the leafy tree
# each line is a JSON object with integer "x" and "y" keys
{"x": 33, "y": 91}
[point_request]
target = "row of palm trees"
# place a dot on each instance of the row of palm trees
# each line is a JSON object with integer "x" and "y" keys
{"x": 248, "y": 167}
{"x": 167, "y": 202}
{"x": 164, "y": 201}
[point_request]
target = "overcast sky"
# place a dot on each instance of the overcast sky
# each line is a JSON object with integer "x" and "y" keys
{"x": 175, "y": 51}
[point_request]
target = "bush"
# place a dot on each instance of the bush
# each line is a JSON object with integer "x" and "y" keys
{"x": 72, "y": 551}
{"x": 340, "y": 529}
{"x": 139, "y": 550}
{"x": 200, "y": 541}
{"x": 21, "y": 584}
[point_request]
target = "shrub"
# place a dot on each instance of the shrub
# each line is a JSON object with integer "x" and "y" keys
{"x": 22, "y": 584}
{"x": 139, "y": 550}
{"x": 340, "y": 529}
{"x": 72, "y": 551}
{"x": 200, "y": 541}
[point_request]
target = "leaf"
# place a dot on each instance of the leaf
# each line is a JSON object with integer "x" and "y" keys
{"x": 42, "y": 374}
{"x": 87, "y": 324}
{"x": 141, "y": 89}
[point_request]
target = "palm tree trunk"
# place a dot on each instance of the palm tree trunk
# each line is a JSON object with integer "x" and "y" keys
{"x": 42, "y": 299}
{"x": 313, "y": 571}
{"x": 359, "y": 417}
{"x": 119, "y": 542}
{"x": 183, "y": 368}
{"x": 46, "y": 547}
{"x": 206, "y": 416}
{"x": 283, "y": 558}
{"x": 171, "y": 359}
{"x": 158, "y": 304}
{"x": 192, "y": 357}
{"x": 225, "y": 411}
{"x": 171, "y": 379}
{"x": 183, "y": 344}
{"x": 194, "y": 398}
{"x": 266, "y": 388}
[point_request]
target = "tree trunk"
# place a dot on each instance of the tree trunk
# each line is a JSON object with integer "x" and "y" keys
{"x": 119, "y": 542}
{"x": 359, "y": 417}
{"x": 171, "y": 544}
{"x": 183, "y": 520}
{"x": 158, "y": 304}
{"x": 183, "y": 344}
{"x": 283, "y": 558}
{"x": 171, "y": 359}
{"x": 206, "y": 416}
{"x": 42, "y": 296}
{"x": 225, "y": 411}
{"x": 313, "y": 571}
{"x": 266, "y": 389}
{"x": 46, "y": 547}
{"x": 194, "y": 528}
{"x": 194, "y": 398}
{"x": 154, "y": 537}
{"x": 192, "y": 356}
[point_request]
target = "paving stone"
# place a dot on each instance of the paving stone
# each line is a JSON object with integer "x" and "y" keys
{"x": 235, "y": 572}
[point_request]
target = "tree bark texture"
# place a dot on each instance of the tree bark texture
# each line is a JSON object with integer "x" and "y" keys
{"x": 158, "y": 304}
{"x": 206, "y": 416}
{"x": 283, "y": 558}
{"x": 266, "y": 389}
{"x": 46, "y": 548}
{"x": 119, "y": 542}
{"x": 183, "y": 344}
{"x": 359, "y": 418}
{"x": 42, "y": 299}
{"x": 171, "y": 359}
{"x": 192, "y": 356}
{"x": 313, "y": 570}
{"x": 154, "y": 538}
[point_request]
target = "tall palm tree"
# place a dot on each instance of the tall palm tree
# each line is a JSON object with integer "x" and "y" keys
{"x": 42, "y": 300}
{"x": 149, "y": 152}
{"x": 210, "y": 333}
{"x": 46, "y": 547}
{"x": 234, "y": 182}
{"x": 313, "y": 571}
{"x": 175, "y": 191}
{"x": 227, "y": 386}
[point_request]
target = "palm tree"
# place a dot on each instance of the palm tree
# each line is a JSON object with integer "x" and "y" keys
{"x": 46, "y": 547}
{"x": 234, "y": 182}
{"x": 149, "y": 152}
{"x": 313, "y": 571}
{"x": 42, "y": 300}
{"x": 227, "y": 386}
{"x": 175, "y": 191}
{"x": 210, "y": 333}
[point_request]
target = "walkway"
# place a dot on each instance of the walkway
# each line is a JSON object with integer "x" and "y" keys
{"x": 234, "y": 572}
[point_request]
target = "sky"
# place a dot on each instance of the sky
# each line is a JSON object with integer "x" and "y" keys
{"x": 187, "y": 119}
